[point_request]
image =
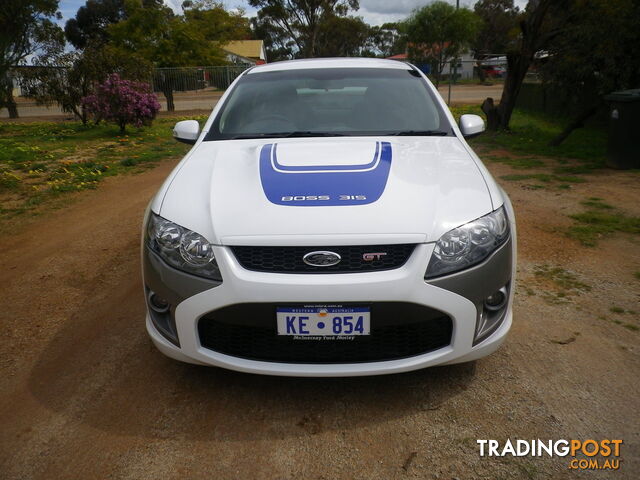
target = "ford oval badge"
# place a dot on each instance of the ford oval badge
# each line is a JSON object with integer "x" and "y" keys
{"x": 322, "y": 259}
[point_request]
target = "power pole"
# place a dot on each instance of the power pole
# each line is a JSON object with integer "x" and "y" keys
{"x": 455, "y": 65}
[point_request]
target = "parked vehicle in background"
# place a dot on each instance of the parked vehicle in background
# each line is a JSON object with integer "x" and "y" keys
{"x": 494, "y": 71}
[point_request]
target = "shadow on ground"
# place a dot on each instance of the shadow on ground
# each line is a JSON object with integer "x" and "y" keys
{"x": 101, "y": 370}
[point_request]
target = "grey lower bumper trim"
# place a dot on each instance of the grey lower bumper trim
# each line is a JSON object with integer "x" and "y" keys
{"x": 170, "y": 283}
{"x": 480, "y": 281}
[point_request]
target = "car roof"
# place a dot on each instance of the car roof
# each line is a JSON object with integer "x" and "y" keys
{"x": 309, "y": 63}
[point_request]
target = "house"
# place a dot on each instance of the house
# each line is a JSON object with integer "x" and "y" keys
{"x": 466, "y": 63}
{"x": 245, "y": 52}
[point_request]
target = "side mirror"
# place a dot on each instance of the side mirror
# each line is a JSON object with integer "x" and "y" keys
{"x": 186, "y": 131}
{"x": 471, "y": 125}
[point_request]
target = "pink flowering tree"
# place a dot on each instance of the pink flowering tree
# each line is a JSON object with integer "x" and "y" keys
{"x": 122, "y": 102}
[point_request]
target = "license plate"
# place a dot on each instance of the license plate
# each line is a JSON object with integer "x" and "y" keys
{"x": 321, "y": 321}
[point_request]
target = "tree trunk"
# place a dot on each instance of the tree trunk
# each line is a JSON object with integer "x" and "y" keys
{"x": 79, "y": 113}
{"x": 13, "y": 109}
{"x": 517, "y": 67}
{"x": 491, "y": 112}
{"x": 168, "y": 94}
{"x": 312, "y": 48}
{"x": 518, "y": 63}
{"x": 577, "y": 122}
{"x": 498, "y": 117}
{"x": 6, "y": 95}
{"x": 482, "y": 75}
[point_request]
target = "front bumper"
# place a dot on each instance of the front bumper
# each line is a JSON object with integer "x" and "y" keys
{"x": 404, "y": 284}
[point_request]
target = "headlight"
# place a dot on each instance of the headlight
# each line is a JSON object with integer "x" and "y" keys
{"x": 181, "y": 248}
{"x": 469, "y": 244}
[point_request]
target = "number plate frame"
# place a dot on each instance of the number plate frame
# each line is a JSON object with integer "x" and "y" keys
{"x": 324, "y": 322}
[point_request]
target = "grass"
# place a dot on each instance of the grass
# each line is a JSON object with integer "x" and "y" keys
{"x": 518, "y": 163}
{"x": 542, "y": 177}
{"x": 531, "y": 133}
{"x": 601, "y": 220}
{"x": 597, "y": 203}
{"x": 8, "y": 181}
{"x": 561, "y": 277}
{"x": 575, "y": 169}
{"x": 565, "y": 283}
{"x": 41, "y": 161}
{"x": 637, "y": 275}
{"x": 629, "y": 326}
{"x": 526, "y": 147}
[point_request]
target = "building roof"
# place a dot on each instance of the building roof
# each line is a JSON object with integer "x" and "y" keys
{"x": 245, "y": 48}
{"x": 400, "y": 56}
{"x": 344, "y": 62}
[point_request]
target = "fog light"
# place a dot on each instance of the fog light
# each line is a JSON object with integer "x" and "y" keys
{"x": 157, "y": 303}
{"x": 491, "y": 314}
{"x": 496, "y": 300}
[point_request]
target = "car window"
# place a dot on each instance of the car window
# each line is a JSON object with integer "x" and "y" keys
{"x": 356, "y": 101}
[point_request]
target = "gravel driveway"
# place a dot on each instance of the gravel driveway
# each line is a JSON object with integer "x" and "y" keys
{"x": 84, "y": 395}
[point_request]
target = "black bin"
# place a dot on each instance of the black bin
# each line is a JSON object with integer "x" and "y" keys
{"x": 624, "y": 129}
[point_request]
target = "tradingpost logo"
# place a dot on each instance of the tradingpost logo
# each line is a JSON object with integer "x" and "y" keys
{"x": 584, "y": 454}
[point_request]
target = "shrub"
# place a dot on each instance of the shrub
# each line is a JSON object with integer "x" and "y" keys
{"x": 123, "y": 102}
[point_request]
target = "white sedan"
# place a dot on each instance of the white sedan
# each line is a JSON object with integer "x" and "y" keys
{"x": 330, "y": 220}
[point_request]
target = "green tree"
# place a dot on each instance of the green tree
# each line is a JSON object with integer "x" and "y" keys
{"x": 387, "y": 40}
{"x": 65, "y": 78}
{"x": 91, "y": 22}
{"x": 26, "y": 27}
{"x": 597, "y": 52}
{"x": 164, "y": 39}
{"x": 438, "y": 33}
{"x": 342, "y": 37}
{"x": 499, "y": 26}
{"x": 215, "y": 23}
{"x": 277, "y": 42}
{"x": 302, "y": 20}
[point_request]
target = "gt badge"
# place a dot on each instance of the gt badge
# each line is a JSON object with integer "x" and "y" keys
{"x": 370, "y": 257}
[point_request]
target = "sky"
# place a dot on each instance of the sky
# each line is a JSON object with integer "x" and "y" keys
{"x": 374, "y": 12}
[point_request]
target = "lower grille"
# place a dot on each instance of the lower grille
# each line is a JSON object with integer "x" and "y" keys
{"x": 398, "y": 330}
{"x": 289, "y": 259}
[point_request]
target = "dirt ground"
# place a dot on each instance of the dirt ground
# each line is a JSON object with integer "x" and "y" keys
{"x": 84, "y": 394}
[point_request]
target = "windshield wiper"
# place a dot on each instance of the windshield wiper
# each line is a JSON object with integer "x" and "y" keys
{"x": 298, "y": 133}
{"x": 419, "y": 133}
{"x": 308, "y": 133}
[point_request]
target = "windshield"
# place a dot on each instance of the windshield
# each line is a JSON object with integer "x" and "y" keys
{"x": 329, "y": 102}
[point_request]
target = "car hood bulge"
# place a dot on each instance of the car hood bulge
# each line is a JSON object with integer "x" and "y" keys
{"x": 318, "y": 191}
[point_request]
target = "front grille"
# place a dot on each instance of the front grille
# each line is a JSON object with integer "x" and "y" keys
{"x": 289, "y": 259}
{"x": 398, "y": 330}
